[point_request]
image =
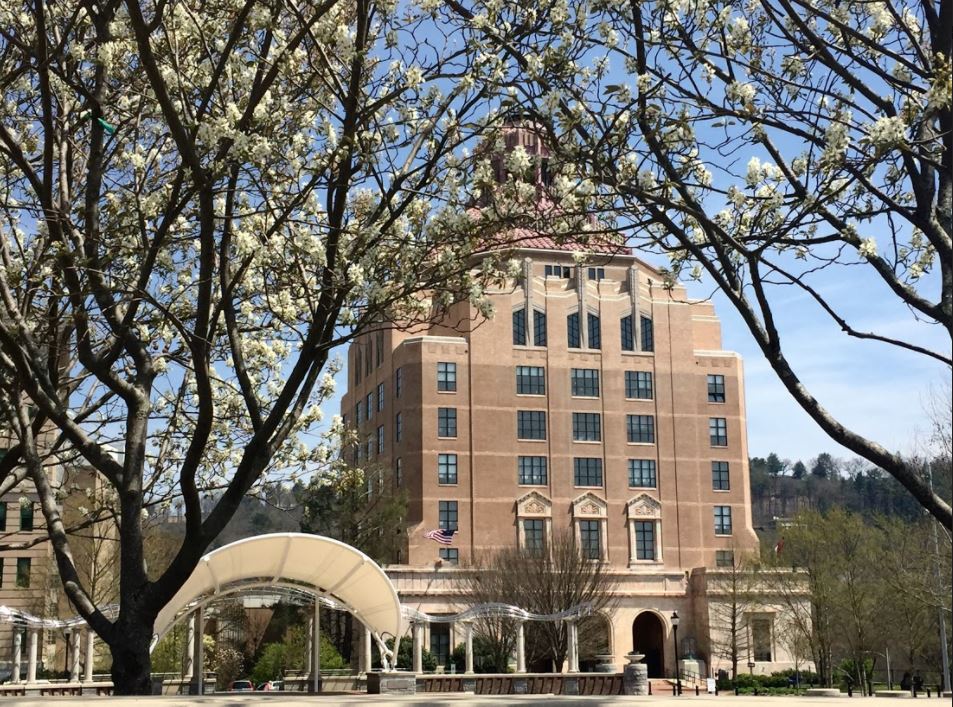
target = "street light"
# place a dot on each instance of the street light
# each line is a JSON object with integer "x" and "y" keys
{"x": 66, "y": 632}
{"x": 678, "y": 681}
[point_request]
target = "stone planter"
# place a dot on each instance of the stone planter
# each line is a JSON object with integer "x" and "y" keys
{"x": 635, "y": 676}
{"x": 605, "y": 664}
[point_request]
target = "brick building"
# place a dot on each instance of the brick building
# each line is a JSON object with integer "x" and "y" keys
{"x": 596, "y": 399}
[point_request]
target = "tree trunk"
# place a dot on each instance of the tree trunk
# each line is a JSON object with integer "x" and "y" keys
{"x": 131, "y": 661}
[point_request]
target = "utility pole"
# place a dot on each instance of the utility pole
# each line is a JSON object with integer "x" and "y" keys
{"x": 944, "y": 653}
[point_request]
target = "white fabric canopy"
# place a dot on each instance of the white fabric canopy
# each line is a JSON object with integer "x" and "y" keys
{"x": 328, "y": 567}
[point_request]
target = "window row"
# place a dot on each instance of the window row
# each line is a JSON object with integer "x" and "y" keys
{"x": 587, "y": 471}
{"x": 590, "y": 531}
{"x": 583, "y": 382}
{"x": 364, "y": 409}
{"x": 26, "y": 515}
{"x": 576, "y": 325}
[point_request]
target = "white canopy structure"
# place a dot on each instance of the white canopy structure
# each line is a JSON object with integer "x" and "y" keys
{"x": 327, "y": 568}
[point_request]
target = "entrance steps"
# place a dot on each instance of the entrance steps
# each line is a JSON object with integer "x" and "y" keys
{"x": 662, "y": 686}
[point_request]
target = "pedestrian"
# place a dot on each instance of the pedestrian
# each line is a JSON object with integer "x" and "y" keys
{"x": 905, "y": 682}
{"x": 917, "y": 682}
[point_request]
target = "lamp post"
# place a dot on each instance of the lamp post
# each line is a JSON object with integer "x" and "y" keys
{"x": 678, "y": 681}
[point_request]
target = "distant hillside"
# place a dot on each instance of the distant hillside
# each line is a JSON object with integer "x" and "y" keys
{"x": 782, "y": 489}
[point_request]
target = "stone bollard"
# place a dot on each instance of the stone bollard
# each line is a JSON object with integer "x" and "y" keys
{"x": 635, "y": 676}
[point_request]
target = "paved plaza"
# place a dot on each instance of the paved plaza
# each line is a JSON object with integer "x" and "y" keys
{"x": 436, "y": 700}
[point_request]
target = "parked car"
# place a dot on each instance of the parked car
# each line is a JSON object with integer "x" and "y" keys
{"x": 271, "y": 685}
{"x": 241, "y": 686}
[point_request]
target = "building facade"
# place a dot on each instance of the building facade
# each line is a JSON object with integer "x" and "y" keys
{"x": 596, "y": 400}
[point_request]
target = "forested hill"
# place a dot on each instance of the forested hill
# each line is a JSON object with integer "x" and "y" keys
{"x": 781, "y": 488}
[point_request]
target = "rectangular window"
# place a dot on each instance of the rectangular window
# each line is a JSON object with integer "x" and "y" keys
{"x": 597, "y": 273}
{"x": 722, "y": 520}
{"x": 532, "y": 471}
{"x": 645, "y": 540}
{"x": 595, "y": 331}
{"x": 761, "y": 640}
{"x": 519, "y": 327}
{"x": 357, "y": 364}
{"x": 584, "y": 382}
{"x": 398, "y": 382}
{"x": 640, "y": 428}
{"x": 370, "y": 448}
{"x": 716, "y": 389}
{"x": 380, "y": 439}
{"x": 369, "y": 407}
{"x": 560, "y": 271}
{"x": 447, "y": 377}
{"x": 398, "y": 472}
{"x": 638, "y": 385}
{"x": 587, "y": 471}
{"x": 380, "y": 397}
{"x": 573, "y": 339}
{"x": 358, "y": 414}
{"x": 451, "y": 556}
{"x": 26, "y": 516}
{"x": 719, "y": 476}
{"x": 1, "y": 573}
{"x": 590, "y": 540}
{"x": 398, "y": 427}
{"x": 718, "y": 431}
{"x": 642, "y": 473}
{"x": 534, "y": 534}
{"x": 724, "y": 558}
{"x": 446, "y": 422}
{"x": 380, "y": 348}
{"x": 447, "y": 468}
{"x": 367, "y": 358}
{"x": 3, "y": 516}
{"x": 628, "y": 341}
{"x": 448, "y": 515}
{"x": 586, "y": 427}
{"x": 648, "y": 334}
{"x": 539, "y": 328}
{"x": 530, "y": 424}
{"x": 530, "y": 380}
{"x": 23, "y": 572}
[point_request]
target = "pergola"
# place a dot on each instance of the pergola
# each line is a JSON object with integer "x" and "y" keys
{"x": 571, "y": 616}
{"x": 333, "y": 573}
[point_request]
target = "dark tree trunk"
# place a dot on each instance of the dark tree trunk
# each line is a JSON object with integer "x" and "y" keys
{"x": 131, "y": 661}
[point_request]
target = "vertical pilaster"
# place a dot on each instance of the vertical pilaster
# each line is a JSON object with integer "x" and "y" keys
{"x": 468, "y": 633}
{"x": 74, "y": 655}
{"x": 520, "y": 648}
{"x": 90, "y": 655}
{"x": 316, "y": 648}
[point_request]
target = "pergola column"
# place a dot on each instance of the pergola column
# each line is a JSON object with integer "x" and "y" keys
{"x": 418, "y": 631}
{"x": 74, "y": 656}
{"x": 520, "y": 648}
{"x": 198, "y": 653}
{"x": 468, "y": 634}
{"x": 572, "y": 635}
{"x": 90, "y": 655}
{"x": 17, "y": 654}
{"x": 33, "y": 639}
{"x": 366, "y": 655}
{"x": 316, "y": 648}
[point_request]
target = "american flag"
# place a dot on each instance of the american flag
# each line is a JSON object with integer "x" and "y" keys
{"x": 444, "y": 536}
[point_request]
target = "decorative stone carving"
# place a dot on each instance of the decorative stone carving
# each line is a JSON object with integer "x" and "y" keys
{"x": 533, "y": 504}
{"x": 589, "y": 505}
{"x": 644, "y": 506}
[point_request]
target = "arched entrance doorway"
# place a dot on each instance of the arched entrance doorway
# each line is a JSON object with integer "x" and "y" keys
{"x": 648, "y": 635}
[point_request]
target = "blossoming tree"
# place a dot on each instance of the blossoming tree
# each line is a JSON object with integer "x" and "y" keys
{"x": 761, "y": 144}
{"x": 199, "y": 201}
